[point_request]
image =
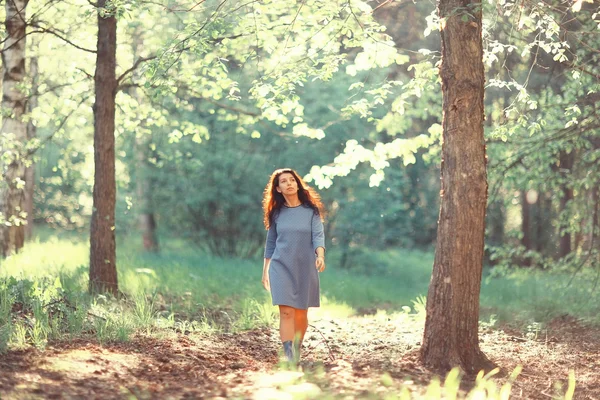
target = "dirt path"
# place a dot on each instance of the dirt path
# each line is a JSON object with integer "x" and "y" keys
{"x": 346, "y": 357}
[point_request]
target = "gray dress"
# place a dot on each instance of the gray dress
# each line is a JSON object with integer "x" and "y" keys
{"x": 292, "y": 239}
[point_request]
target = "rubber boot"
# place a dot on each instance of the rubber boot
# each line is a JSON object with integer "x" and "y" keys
{"x": 288, "y": 350}
{"x": 297, "y": 350}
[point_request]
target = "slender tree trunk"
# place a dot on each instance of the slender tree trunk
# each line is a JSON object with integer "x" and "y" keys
{"x": 496, "y": 219}
{"x": 451, "y": 327}
{"x": 144, "y": 189}
{"x": 31, "y": 134}
{"x": 566, "y": 165}
{"x": 526, "y": 239}
{"x": 13, "y": 130}
{"x": 103, "y": 268}
{"x": 545, "y": 242}
{"x": 526, "y": 221}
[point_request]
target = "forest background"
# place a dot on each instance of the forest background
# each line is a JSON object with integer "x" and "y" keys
{"x": 212, "y": 96}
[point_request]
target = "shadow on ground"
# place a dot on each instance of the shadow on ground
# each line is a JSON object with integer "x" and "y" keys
{"x": 358, "y": 357}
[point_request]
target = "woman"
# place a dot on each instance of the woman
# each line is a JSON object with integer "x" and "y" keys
{"x": 294, "y": 254}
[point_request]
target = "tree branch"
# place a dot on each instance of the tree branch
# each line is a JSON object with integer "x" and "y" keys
{"x": 85, "y": 73}
{"x": 135, "y": 65}
{"x": 32, "y": 151}
{"x": 52, "y": 32}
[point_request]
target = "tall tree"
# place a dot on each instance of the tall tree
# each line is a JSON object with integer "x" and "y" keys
{"x": 566, "y": 166}
{"x": 32, "y": 103}
{"x": 451, "y": 327}
{"x": 103, "y": 268}
{"x": 13, "y": 130}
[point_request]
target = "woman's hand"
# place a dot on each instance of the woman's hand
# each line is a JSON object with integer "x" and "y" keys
{"x": 265, "y": 281}
{"x": 320, "y": 263}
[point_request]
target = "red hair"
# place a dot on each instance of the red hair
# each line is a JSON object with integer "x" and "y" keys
{"x": 273, "y": 200}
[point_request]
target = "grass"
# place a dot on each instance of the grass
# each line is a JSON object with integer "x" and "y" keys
{"x": 524, "y": 295}
{"x": 185, "y": 290}
{"x": 43, "y": 297}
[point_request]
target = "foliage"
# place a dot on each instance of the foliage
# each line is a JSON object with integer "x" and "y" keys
{"x": 296, "y": 385}
{"x": 332, "y": 89}
{"x": 543, "y": 140}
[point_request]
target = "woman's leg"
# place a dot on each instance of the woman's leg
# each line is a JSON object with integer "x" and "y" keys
{"x": 287, "y": 330}
{"x": 300, "y": 324}
{"x": 286, "y": 323}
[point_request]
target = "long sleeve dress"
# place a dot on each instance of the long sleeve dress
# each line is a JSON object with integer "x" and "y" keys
{"x": 292, "y": 240}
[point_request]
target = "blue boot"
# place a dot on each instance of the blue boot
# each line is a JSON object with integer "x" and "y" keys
{"x": 288, "y": 350}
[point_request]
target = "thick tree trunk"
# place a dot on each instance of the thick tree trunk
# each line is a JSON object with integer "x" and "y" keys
{"x": 103, "y": 268}
{"x": 13, "y": 130}
{"x": 144, "y": 189}
{"x": 451, "y": 327}
{"x": 31, "y": 134}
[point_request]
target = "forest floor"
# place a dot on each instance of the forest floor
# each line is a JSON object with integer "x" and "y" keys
{"x": 367, "y": 356}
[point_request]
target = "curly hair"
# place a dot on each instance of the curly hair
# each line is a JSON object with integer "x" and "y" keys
{"x": 273, "y": 200}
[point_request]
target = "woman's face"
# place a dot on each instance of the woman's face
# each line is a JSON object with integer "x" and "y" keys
{"x": 287, "y": 184}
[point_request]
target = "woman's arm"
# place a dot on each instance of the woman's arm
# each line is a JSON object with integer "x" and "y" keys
{"x": 265, "y": 277}
{"x": 269, "y": 250}
{"x": 318, "y": 241}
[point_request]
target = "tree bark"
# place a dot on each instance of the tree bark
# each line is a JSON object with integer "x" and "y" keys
{"x": 451, "y": 328}
{"x": 103, "y": 268}
{"x": 13, "y": 130}
{"x": 144, "y": 189}
{"x": 31, "y": 134}
{"x": 566, "y": 165}
{"x": 495, "y": 222}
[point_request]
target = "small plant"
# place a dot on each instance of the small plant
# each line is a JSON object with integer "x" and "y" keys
{"x": 75, "y": 319}
{"x": 248, "y": 317}
{"x": 18, "y": 339}
{"x": 5, "y": 333}
{"x": 39, "y": 334}
{"x": 420, "y": 308}
{"x": 144, "y": 312}
{"x": 123, "y": 328}
{"x": 5, "y": 317}
{"x": 490, "y": 323}
{"x": 265, "y": 314}
{"x": 102, "y": 328}
{"x": 533, "y": 330}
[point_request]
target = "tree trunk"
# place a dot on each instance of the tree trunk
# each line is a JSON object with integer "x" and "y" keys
{"x": 545, "y": 242}
{"x": 496, "y": 219}
{"x": 566, "y": 165}
{"x": 103, "y": 268}
{"x": 451, "y": 327}
{"x": 31, "y": 134}
{"x": 144, "y": 189}
{"x": 13, "y": 130}
{"x": 526, "y": 221}
{"x": 496, "y": 222}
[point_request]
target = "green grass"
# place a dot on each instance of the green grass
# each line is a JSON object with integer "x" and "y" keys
{"x": 525, "y": 296}
{"x": 387, "y": 279}
{"x": 185, "y": 290}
